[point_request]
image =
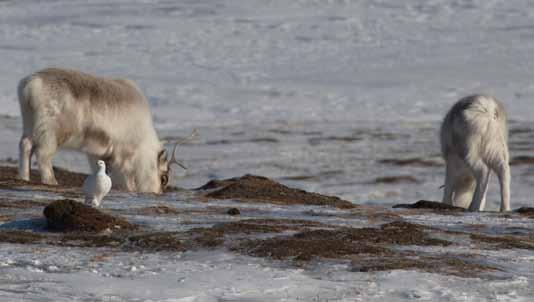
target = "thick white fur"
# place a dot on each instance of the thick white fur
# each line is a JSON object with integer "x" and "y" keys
{"x": 474, "y": 142}
{"x": 107, "y": 119}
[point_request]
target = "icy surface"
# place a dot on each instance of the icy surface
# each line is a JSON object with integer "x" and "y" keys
{"x": 313, "y": 93}
{"x": 35, "y": 272}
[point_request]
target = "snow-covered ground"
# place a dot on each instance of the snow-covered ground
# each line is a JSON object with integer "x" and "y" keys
{"x": 313, "y": 93}
{"x": 37, "y": 272}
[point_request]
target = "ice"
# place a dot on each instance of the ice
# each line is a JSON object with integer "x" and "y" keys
{"x": 271, "y": 77}
{"x": 311, "y": 93}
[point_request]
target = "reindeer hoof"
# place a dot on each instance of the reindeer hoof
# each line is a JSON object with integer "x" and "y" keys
{"x": 51, "y": 182}
{"x": 25, "y": 178}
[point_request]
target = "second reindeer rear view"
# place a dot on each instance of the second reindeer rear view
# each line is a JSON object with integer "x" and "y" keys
{"x": 474, "y": 142}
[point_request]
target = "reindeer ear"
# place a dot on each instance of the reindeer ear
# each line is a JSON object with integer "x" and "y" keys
{"x": 162, "y": 155}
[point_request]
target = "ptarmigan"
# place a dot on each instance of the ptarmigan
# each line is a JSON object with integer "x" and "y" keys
{"x": 97, "y": 185}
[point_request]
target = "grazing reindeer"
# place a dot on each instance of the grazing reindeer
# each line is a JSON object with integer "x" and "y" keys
{"x": 107, "y": 119}
{"x": 474, "y": 141}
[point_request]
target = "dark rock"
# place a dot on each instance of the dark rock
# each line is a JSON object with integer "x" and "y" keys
{"x": 432, "y": 205}
{"x": 522, "y": 160}
{"x": 525, "y": 211}
{"x": 68, "y": 215}
{"x": 233, "y": 211}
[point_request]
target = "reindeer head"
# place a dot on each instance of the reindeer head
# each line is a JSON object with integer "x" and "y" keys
{"x": 165, "y": 163}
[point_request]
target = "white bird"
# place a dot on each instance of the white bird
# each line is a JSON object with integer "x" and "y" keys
{"x": 97, "y": 185}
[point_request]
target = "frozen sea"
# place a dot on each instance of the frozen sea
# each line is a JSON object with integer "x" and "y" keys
{"x": 313, "y": 93}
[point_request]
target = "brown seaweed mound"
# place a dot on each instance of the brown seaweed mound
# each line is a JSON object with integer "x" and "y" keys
{"x": 432, "y": 205}
{"x": 251, "y": 188}
{"x": 68, "y": 215}
{"x": 340, "y": 243}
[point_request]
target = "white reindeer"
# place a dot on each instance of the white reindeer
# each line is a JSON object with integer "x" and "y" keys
{"x": 474, "y": 141}
{"x": 108, "y": 119}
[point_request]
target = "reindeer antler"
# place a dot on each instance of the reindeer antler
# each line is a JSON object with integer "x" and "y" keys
{"x": 173, "y": 159}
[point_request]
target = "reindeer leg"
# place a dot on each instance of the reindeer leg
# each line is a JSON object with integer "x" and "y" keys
{"x": 504, "y": 180}
{"x": 25, "y": 157}
{"x": 485, "y": 191}
{"x": 464, "y": 186}
{"x": 481, "y": 172}
{"x": 453, "y": 170}
{"x": 44, "y": 153}
{"x": 448, "y": 189}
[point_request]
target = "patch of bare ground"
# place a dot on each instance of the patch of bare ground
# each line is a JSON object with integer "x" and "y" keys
{"x": 170, "y": 189}
{"x": 375, "y": 214}
{"x": 415, "y": 162}
{"x": 164, "y": 210}
{"x": 69, "y": 183}
{"x": 340, "y": 243}
{"x": 251, "y": 188}
{"x": 215, "y": 236}
{"x": 503, "y": 242}
{"x": 314, "y": 141}
{"x": 158, "y": 241}
{"x": 443, "y": 264}
{"x": 21, "y": 237}
{"x": 399, "y": 179}
{"x": 294, "y": 132}
{"x": 157, "y": 210}
{"x": 315, "y": 177}
{"x": 8, "y": 178}
{"x": 5, "y": 218}
{"x": 241, "y": 141}
{"x": 146, "y": 240}
{"x": 210, "y": 237}
{"x": 301, "y": 177}
{"x": 21, "y": 204}
{"x": 122, "y": 240}
{"x": 435, "y": 206}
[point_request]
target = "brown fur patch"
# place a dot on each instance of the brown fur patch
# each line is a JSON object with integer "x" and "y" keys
{"x": 97, "y": 136}
{"x": 110, "y": 93}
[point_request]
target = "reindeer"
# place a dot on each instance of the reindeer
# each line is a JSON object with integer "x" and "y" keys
{"x": 474, "y": 142}
{"x": 108, "y": 119}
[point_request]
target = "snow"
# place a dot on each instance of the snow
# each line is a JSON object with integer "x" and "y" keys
{"x": 269, "y": 83}
{"x": 36, "y": 272}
